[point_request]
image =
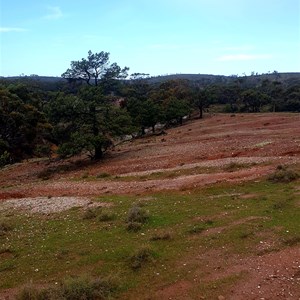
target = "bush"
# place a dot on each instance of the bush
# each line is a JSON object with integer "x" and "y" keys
{"x": 5, "y": 159}
{"x": 136, "y": 217}
{"x": 4, "y": 227}
{"x": 137, "y": 214}
{"x": 161, "y": 236}
{"x": 142, "y": 256}
{"x": 80, "y": 288}
{"x": 283, "y": 174}
{"x": 106, "y": 216}
{"x": 103, "y": 175}
{"x": 89, "y": 214}
{"x": 133, "y": 226}
{"x": 196, "y": 229}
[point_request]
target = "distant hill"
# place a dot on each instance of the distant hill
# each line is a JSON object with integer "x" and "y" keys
{"x": 55, "y": 83}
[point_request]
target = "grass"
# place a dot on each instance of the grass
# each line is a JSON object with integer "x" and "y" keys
{"x": 45, "y": 249}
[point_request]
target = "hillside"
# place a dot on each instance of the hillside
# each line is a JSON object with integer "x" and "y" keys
{"x": 215, "y": 226}
{"x": 52, "y": 83}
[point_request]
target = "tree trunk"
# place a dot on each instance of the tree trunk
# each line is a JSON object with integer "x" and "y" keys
{"x": 98, "y": 153}
{"x": 200, "y": 112}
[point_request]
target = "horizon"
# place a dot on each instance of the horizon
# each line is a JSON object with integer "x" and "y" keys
{"x": 160, "y": 38}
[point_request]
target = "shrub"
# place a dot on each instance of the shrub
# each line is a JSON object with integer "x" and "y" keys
{"x": 142, "y": 256}
{"x": 4, "y": 227}
{"x": 103, "y": 175}
{"x": 196, "y": 229}
{"x": 5, "y": 159}
{"x": 233, "y": 166}
{"x": 283, "y": 174}
{"x": 161, "y": 236}
{"x": 106, "y": 216}
{"x": 133, "y": 226}
{"x": 292, "y": 241}
{"x": 78, "y": 288}
{"x": 89, "y": 214}
{"x": 137, "y": 214}
{"x": 136, "y": 217}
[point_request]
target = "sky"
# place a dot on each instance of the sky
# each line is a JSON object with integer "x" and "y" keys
{"x": 157, "y": 37}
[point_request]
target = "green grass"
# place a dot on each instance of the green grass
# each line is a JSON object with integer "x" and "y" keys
{"x": 47, "y": 249}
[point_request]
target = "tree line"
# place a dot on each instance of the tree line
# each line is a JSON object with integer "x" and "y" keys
{"x": 96, "y": 105}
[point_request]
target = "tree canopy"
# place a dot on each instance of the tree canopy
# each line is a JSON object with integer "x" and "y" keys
{"x": 95, "y": 67}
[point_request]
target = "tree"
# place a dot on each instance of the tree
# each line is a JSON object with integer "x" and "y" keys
{"x": 176, "y": 109}
{"x": 253, "y": 100}
{"x": 87, "y": 122}
{"x": 96, "y": 67}
{"x": 22, "y": 125}
{"x": 201, "y": 100}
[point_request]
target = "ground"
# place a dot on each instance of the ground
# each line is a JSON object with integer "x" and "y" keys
{"x": 219, "y": 152}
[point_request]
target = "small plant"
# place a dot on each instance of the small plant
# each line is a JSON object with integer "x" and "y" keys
{"x": 245, "y": 234}
{"x": 137, "y": 214}
{"x": 4, "y": 227}
{"x": 72, "y": 289}
{"x": 196, "y": 229}
{"x": 133, "y": 226}
{"x": 5, "y": 159}
{"x": 106, "y": 216}
{"x": 89, "y": 214}
{"x": 142, "y": 256}
{"x": 161, "y": 236}
{"x": 85, "y": 175}
{"x": 103, "y": 175}
{"x": 292, "y": 241}
{"x": 280, "y": 204}
{"x": 233, "y": 166}
{"x": 46, "y": 174}
{"x": 136, "y": 217}
{"x": 283, "y": 174}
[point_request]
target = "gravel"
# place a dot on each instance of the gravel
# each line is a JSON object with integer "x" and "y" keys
{"x": 49, "y": 205}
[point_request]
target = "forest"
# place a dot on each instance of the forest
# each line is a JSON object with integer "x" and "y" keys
{"x": 95, "y": 104}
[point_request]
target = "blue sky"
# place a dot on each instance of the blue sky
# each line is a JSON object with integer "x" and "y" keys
{"x": 151, "y": 36}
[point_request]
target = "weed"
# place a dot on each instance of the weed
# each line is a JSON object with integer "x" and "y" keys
{"x": 142, "y": 256}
